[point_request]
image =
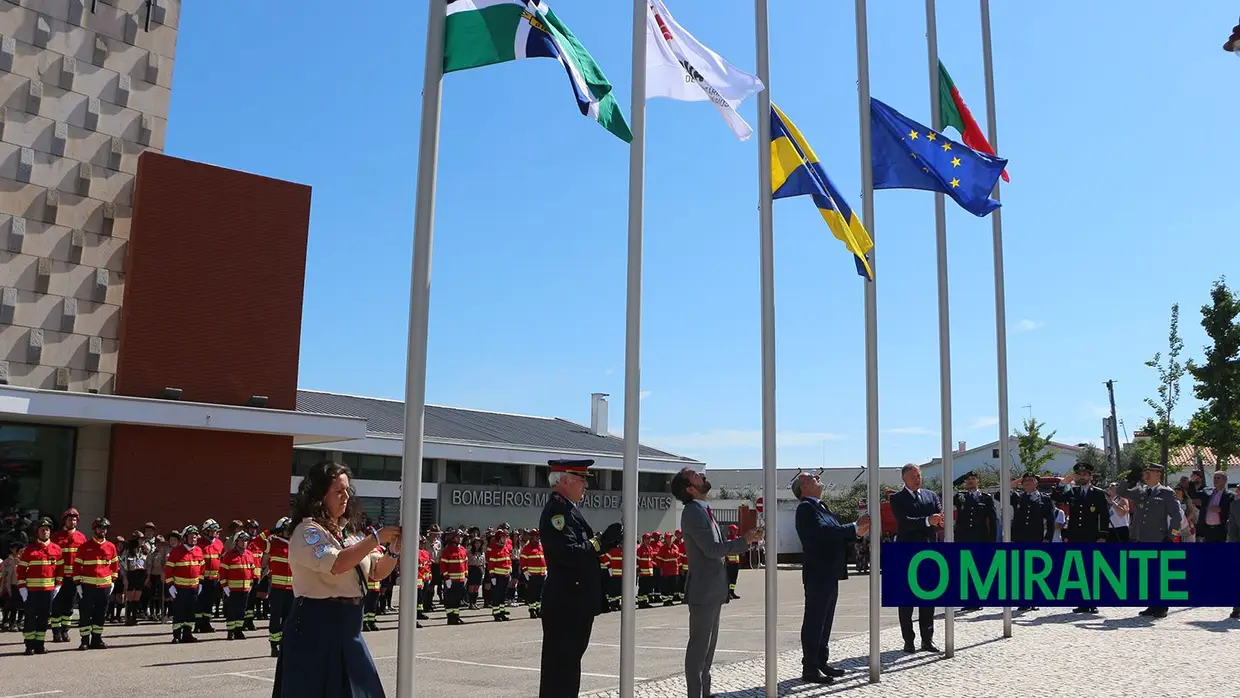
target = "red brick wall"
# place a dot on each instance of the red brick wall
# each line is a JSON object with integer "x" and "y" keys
{"x": 214, "y": 278}
{"x": 177, "y": 477}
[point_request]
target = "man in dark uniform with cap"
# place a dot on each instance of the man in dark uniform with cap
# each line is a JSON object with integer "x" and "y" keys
{"x": 975, "y": 516}
{"x": 1156, "y": 513}
{"x": 572, "y": 589}
{"x": 1089, "y": 512}
{"x": 1033, "y": 515}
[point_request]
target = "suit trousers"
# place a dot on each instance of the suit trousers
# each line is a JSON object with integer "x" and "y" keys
{"x": 700, "y": 652}
{"x": 816, "y": 624}
{"x": 566, "y": 636}
{"x": 925, "y": 619}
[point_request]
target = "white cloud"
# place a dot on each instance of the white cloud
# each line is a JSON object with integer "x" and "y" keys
{"x": 911, "y": 431}
{"x": 739, "y": 438}
{"x": 1027, "y": 325}
{"x": 983, "y": 422}
{"x": 644, "y": 394}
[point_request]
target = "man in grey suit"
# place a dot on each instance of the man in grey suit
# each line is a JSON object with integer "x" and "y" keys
{"x": 706, "y": 590}
{"x": 1156, "y": 515}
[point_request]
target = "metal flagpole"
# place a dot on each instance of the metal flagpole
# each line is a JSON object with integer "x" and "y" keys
{"x": 945, "y": 356}
{"x": 996, "y": 222}
{"x": 415, "y": 362}
{"x": 873, "y": 496}
{"x": 632, "y": 355}
{"x": 766, "y": 237}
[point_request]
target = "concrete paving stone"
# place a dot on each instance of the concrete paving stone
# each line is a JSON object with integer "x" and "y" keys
{"x": 1051, "y": 652}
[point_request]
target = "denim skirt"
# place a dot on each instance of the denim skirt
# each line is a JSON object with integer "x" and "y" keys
{"x": 322, "y": 654}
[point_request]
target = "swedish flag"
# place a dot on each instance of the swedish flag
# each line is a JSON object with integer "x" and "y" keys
{"x": 795, "y": 171}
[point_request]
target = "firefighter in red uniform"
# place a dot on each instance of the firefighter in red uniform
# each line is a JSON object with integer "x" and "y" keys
{"x": 40, "y": 574}
{"x": 370, "y": 602}
{"x": 67, "y": 539}
{"x": 236, "y": 577}
{"x": 424, "y": 577}
{"x": 212, "y": 548}
{"x": 95, "y": 569}
{"x": 256, "y": 604}
{"x": 534, "y": 569}
{"x": 656, "y": 583}
{"x": 499, "y": 572}
{"x": 669, "y": 566}
{"x": 684, "y": 566}
{"x": 280, "y": 597}
{"x": 645, "y": 572}
{"x": 733, "y": 562}
{"x": 183, "y": 575}
{"x": 615, "y": 573}
{"x": 454, "y": 570}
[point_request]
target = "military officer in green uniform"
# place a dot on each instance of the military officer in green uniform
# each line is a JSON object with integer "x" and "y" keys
{"x": 572, "y": 588}
{"x": 1156, "y": 515}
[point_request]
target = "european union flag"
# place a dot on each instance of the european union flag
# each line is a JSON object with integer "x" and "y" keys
{"x": 795, "y": 171}
{"x": 907, "y": 155}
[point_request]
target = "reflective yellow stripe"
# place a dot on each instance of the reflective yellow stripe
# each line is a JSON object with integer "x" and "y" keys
{"x": 535, "y": 570}
{"x": 280, "y": 579}
{"x": 42, "y": 583}
{"x": 95, "y": 581}
{"x": 457, "y": 576}
{"x": 242, "y": 584}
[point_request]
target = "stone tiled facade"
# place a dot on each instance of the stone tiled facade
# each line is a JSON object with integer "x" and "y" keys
{"x": 84, "y": 90}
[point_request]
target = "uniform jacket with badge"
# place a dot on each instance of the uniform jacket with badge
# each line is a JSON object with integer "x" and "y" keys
{"x": 573, "y": 583}
{"x": 705, "y": 549}
{"x": 1089, "y": 512}
{"x": 975, "y": 517}
{"x": 912, "y": 511}
{"x": 1033, "y": 517}
{"x": 824, "y": 542}
{"x": 1155, "y": 512}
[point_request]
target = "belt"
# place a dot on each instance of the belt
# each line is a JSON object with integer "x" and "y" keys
{"x": 345, "y": 600}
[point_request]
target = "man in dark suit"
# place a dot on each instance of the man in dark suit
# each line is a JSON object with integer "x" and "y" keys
{"x": 1089, "y": 511}
{"x": 976, "y": 518}
{"x": 824, "y": 545}
{"x": 1214, "y": 510}
{"x": 919, "y": 516}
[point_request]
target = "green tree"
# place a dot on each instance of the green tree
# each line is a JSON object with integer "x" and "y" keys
{"x": 1217, "y": 380}
{"x": 1033, "y": 447}
{"x": 1170, "y": 374}
{"x": 1092, "y": 455}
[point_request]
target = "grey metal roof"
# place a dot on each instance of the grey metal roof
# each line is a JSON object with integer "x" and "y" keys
{"x": 456, "y": 424}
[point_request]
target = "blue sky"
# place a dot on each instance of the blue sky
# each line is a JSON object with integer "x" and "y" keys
{"x": 1120, "y": 128}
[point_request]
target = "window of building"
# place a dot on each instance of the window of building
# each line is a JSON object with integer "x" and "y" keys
{"x": 617, "y": 480}
{"x": 502, "y": 474}
{"x": 653, "y": 482}
{"x": 541, "y": 475}
{"x": 370, "y": 467}
{"x": 428, "y": 470}
{"x": 36, "y": 468}
{"x": 303, "y": 460}
{"x": 994, "y": 453}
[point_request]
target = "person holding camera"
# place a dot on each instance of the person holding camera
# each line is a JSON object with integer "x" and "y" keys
{"x": 573, "y": 587}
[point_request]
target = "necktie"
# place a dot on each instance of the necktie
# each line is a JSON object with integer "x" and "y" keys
{"x": 710, "y": 514}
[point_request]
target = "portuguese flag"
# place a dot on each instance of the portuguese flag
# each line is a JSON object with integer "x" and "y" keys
{"x": 955, "y": 113}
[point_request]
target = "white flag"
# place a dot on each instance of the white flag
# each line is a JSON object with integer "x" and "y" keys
{"x": 679, "y": 67}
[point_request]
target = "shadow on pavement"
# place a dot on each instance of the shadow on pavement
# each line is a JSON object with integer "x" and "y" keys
{"x": 209, "y": 661}
{"x": 1058, "y": 618}
{"x": 1216, "y": 626}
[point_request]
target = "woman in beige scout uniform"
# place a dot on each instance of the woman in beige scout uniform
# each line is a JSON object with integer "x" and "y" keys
{"x": 322, "y": 654}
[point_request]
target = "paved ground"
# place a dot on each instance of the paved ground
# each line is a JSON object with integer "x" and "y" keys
{"x": 1051, "y": 653}
{"x": 499, "y": 660}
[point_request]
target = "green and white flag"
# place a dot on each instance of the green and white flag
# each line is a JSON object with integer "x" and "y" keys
{"x": 483, "y": 32}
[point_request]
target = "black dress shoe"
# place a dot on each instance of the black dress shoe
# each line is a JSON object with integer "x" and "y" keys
{"x": 909, "y": 648}
{"x": 1159, "y": 613}
{"x": 1235, "y": 613}
{"x": 831, "y": 671}
{"x": 1147, "y": 612}
{"x": 1081, "y": 609}
{"x": 815, "y": 677}
{"x": 929, "y": 647}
